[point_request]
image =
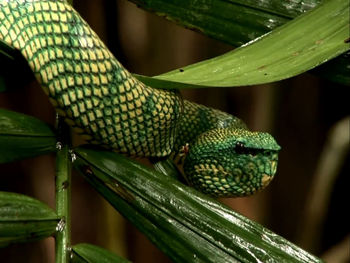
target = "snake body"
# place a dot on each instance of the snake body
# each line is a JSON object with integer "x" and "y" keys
{"x": 107, "y": 106}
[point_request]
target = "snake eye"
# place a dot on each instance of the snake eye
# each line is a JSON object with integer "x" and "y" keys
{"x": 240, "y": 148}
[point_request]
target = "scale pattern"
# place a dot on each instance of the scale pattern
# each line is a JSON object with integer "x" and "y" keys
{"x": 197, "y": 119}
{"x": 104, "y": 104}
{"x": 215, "y": 173}
{"x": 85, "y": 83}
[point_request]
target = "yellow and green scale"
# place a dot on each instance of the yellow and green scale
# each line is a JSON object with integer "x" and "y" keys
{"x": 107, "y": 106}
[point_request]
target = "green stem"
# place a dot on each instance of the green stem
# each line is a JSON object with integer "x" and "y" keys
{"x": 63, "y": 194}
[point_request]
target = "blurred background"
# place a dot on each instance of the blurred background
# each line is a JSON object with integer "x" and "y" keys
{"x": 308, "y": 116}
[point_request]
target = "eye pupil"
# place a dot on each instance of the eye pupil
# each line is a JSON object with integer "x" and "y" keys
{"x": 240, "y": 148}
{"x": 240, "y": 145}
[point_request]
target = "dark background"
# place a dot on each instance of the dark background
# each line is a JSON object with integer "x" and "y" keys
{"x": 300, "y": 112}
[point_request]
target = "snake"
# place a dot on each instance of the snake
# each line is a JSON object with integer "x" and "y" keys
{"x": 106, "y": 105}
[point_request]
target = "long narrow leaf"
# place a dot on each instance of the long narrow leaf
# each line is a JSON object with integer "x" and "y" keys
{"x": 22, "y": 136}
{"x": 86, "y": 253}
{"x": 169, "y": 244}
{"x": 172, "y": 238}
{"x": 24, "y": 219}
{"x": 298, "y": 46}
{"x": 213, "y": 232}
{"x": 237, "y": 22}
{"x": 234, "y": 22}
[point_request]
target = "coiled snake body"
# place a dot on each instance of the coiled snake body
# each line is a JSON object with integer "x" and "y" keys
{"x": 106, "y": 105}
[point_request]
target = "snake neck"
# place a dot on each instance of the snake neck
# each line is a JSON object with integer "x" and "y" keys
{"x": 196, "y": 120}
{"x": 87, "y": 86}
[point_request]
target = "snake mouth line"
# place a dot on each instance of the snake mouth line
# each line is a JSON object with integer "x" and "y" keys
{"x": 252, "y": 151}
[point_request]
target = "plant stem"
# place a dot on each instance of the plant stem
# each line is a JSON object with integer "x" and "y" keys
{"x": 63, "y": 194}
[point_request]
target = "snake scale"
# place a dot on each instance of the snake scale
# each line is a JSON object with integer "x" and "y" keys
{"x": 107, "y": 106}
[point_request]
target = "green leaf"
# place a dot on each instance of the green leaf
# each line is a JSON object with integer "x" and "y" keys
{"x": 234, "y": 22}
{"x": 174, "y": 239}
{"x": 87, "y": 253}
{"x": 237, "y": 22}
{"x": 22, "y": 136}
{"x": 300, "y": 45}
{"x": 186, "y": 225}
{"x": 24, "y": 219}
{"x": 168, "y": 168}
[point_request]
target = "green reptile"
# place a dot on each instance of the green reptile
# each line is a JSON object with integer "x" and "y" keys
{"x": 107, "y": 106}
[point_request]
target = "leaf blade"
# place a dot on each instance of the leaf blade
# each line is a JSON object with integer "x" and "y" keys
{"x": 24, "y": 219}
{"x": 316, "y": 37}
{"x": 90, "y": 254}
{"x": 237, "y": 22}
{"x": 182, "y": 213}
{"x": 234, "y": 22}
{"x": 23, "y": 136}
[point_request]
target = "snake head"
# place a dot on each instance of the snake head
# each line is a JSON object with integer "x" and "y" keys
{"x": 231, "y": 162}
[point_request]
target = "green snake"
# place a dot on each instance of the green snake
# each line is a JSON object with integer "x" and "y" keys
{"x": 106, "y": 105}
